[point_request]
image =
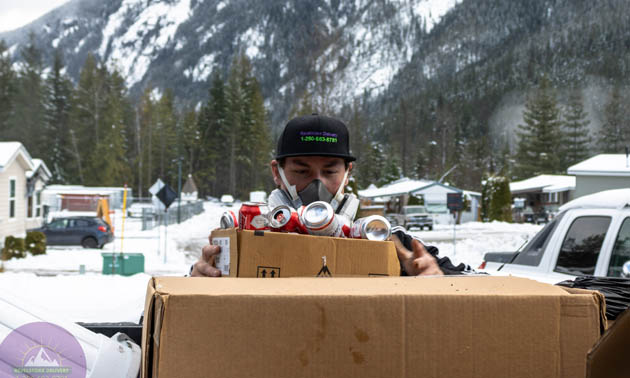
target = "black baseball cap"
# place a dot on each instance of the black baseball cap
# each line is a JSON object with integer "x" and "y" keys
{"x": 314, "y": 135}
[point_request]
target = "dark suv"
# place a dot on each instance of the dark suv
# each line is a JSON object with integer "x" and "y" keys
{"x": 89, "y": 232}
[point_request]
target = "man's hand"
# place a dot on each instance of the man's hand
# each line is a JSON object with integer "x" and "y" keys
{"x": 418, "y": 262}
{"x": 205, "y": 266}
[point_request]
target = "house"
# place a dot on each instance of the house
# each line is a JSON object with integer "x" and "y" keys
{"x": 434, "y": 194}
{"x": 83, "y": 198}
{"x": 22, "y": 180}
{"x": 541, "y": 194}
{"x": 601, "y": 172}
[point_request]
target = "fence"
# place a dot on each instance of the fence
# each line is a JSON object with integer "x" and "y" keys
{"x": 187, "y": 210}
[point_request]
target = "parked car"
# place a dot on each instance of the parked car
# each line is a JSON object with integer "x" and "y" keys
{"x": 227, "y": 199}
{"x": 590, "y": 236}
{"x": 89, "y": 232}
{"x": 412, "y": 216}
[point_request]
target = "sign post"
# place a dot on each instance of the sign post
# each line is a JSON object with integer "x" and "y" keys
{"x": 455, "y": 204}
{"x": 166, "y": 195}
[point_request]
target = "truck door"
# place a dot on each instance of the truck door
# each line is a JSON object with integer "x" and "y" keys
{"x": 621, "y": 250}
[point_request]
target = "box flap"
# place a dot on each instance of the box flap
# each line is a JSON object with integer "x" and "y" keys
{"x": 304, "y": 286}
{"x": 147, "y": 326}
{"x": 609, "y": 357}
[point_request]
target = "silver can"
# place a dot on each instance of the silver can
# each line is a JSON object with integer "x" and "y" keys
{"x": 319, "y": 218}
{"x": 229, "y": 220}
{"x": 374, "y": 227}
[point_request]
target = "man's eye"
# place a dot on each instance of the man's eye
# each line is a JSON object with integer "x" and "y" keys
{"x": 330, "y": 172}
{"x": 300, "y": 172}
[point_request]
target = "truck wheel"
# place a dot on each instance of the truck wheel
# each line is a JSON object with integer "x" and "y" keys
{"x": 89, "y": 242}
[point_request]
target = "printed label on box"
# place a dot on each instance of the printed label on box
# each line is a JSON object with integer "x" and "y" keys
{"x": 223, "y": 259}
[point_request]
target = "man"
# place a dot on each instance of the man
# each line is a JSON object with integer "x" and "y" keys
{"x": 313, "y": 163}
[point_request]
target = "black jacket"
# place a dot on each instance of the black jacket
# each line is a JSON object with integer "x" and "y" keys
{"x": 444, "y": 263}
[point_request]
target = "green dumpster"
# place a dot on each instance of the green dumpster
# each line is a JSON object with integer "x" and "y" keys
{"x": 125, "y": 264}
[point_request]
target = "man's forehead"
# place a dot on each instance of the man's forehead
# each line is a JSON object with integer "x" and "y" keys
{"x": 327, "y": 161}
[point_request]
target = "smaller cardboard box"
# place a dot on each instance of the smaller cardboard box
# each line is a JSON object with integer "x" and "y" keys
{"x": 275, "y": 254}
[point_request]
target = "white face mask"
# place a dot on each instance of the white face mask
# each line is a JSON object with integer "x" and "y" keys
{"x": 314, "y": 191}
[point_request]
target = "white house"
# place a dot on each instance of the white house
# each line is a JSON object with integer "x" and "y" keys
{"x": 543, "y": 193}
{"x": 433, "y": 193}
{"x": 22, "y": 180}
{"x": 601, "y": 172}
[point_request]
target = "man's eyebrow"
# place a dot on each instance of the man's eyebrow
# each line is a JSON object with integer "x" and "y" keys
{"x": 301, "y": 163}
{"x": 332, "y": 163}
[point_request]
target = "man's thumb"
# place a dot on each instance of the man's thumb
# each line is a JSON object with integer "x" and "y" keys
{"x": 418, "y": 249}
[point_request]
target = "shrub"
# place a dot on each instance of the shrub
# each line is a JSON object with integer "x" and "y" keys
{"x": 13, "y": 248}
{"x": 35, "y": 242}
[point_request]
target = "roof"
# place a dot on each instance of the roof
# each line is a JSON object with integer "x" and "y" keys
{"x": 602, "y": 165}
{"x": 544, "y": 183}
{"x": 189, "y": 186}
{"x": 39, "y": 165}
{"x": 9, "y": 151}
{"x": 403, "y": 186}
{"x": 612, "y": 199}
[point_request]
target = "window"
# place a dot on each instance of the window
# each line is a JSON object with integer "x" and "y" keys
{"x": 29, "y": 206}
{"x": 12, "y": 182}
{"x": 533, "y": 251}
{"x": 38, "y": 204}
{"x": 621, "y": 250}
{"x": 58, "y": 224}
{"x": 552, "y": 197}
{"x": 581, "y": 246}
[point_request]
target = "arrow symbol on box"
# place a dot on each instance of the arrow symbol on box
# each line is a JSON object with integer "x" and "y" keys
{"x": 264, "y": 273}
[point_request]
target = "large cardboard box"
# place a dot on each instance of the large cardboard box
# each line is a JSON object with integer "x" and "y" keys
{"x": 276, "y": 254}
{"x": 368, "y": 327}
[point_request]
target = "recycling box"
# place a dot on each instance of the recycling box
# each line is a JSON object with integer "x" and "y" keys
{"x": 125, "y": 264}
{"x": 267, "y": 254}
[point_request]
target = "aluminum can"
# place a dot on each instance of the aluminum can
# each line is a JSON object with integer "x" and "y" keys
{"x": 283, "y": 218}
{"x": 374, "y": 227}
{"x": 253, "y": 216}
{"x": 229, "y": 220}
{"x": 319, "y": 218}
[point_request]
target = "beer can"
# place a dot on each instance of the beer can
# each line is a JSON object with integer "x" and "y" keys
{"x": 286, "y": 219}
{"x": 229, "y": 220}
{"x": 374, "y": 227}
{"x": 253, "y": 216}
{"x": 319, "y": 218}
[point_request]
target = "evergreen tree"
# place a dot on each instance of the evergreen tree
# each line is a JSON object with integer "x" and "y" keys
{"x": 576, "y": 130}
{"x": 613, "y": 137}
{"x": 85, "y": 119}
{"x": 372, "y": 165}
{"x": 29, "y": 104}
{"x": 541, "y": 135}
{"x": 58, "y": 102}
{"x": 391, "y": 172}
{"x": 110, "y": 155}
{"x": 7, "y": 93}
{"x": 145, "y": 124}
{"x": 234, "y": 127}
{"x": 496, "y": 199}
{"x": 165, "y": 139}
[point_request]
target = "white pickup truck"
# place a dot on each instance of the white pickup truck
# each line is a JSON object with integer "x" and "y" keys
{"x": 589, "y": 236}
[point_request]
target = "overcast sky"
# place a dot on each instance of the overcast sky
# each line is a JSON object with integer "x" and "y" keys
{"x": 16, "y": 13}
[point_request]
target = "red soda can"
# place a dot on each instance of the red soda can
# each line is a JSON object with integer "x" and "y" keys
{"x": 229, "y": 220}
{"x": 319, "y": 218}
{"x": 253, "y": 216}
{"x": 286, "y": 219}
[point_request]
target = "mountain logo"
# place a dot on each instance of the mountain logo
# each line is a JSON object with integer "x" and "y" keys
{"x": 43, "y": 350}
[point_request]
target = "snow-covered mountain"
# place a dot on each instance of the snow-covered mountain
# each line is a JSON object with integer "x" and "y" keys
{"x": 336, "y": 49}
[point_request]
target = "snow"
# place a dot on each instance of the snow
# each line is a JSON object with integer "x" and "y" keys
{"x": 612, "y": 199}
{"x": 133, "y": 52}
{"x": 253, "y": 39}
{"x": 603, "y": 165}
{"x": 220, "y": 6}
{"x": 402, "y": 186}
{"x": 7, "y": 151}
{"x": 202, "y": 69}
{"x": 548, "y": 183}
{"x": 53, "y": 280}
